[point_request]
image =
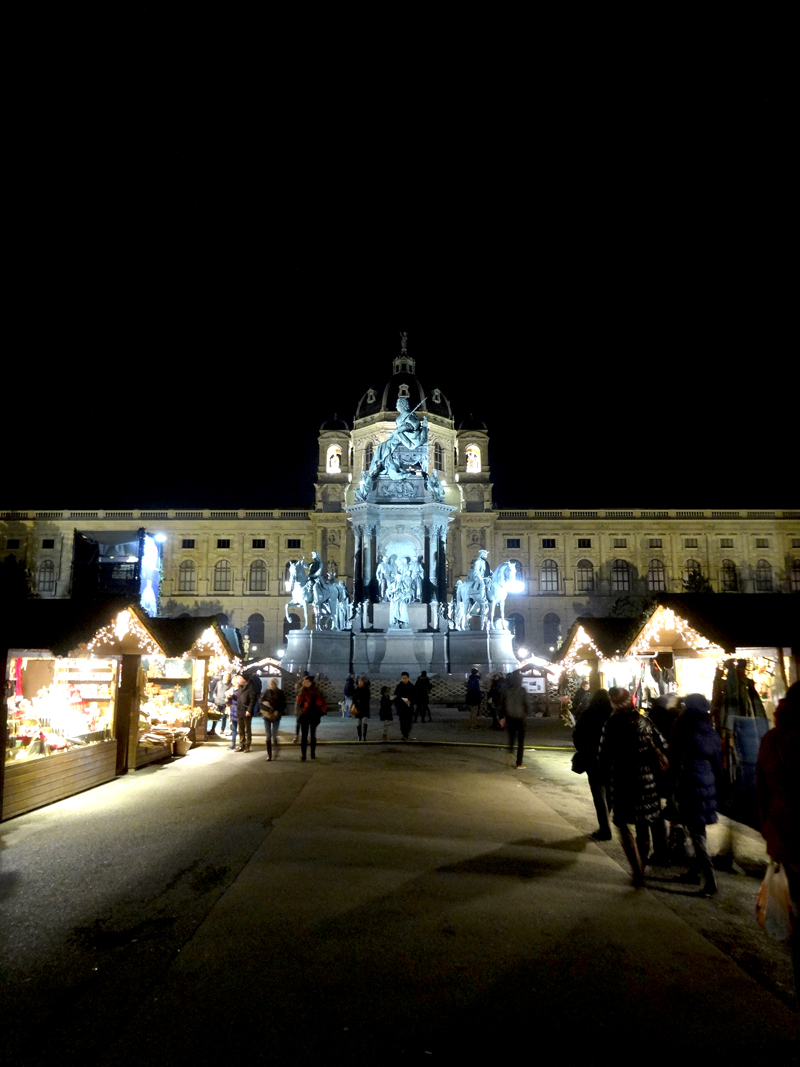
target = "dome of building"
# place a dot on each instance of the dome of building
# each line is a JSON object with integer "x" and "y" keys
{"x": 473, "y": 424}
{"x": 405, "y": 383}
{"x": 335, "y": 424}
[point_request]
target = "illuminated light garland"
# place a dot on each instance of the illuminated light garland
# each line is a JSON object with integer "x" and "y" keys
{"x": 126, "y": 624}
{"x": 664, "y": 620}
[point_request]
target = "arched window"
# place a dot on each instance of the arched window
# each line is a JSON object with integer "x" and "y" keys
{"x": 764, "y": 576}
{"x": 548, "y": 577}
{"x": 516, "y": 625}
{"x": 584, "y": 576}
{"x": 656, "y": 577}
{"x": 255, "y": 628}
{"x": 691, "y": 567}
{"x": 222, "y": 576}
{"x": 620, "y": 576}
{"x": 438, "y": 457}
{"x": 334, "y": 463}
{"x": 728, "y": 578}
{"x": 47, "y": 577}
{"x": 794, "y": 576}
{"x": 369, "y": 452}
{"x": 472, "y": 455}
{"x": 187, "y": 577}
{"x": 551, "y": 629}
{"x": 258, "y": 576}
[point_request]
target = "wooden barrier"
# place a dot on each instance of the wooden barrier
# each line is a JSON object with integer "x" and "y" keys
{"x": 33, "y": 784}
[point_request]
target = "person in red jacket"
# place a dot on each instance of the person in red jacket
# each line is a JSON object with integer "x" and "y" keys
{"x": 309, "y": 709}
{"x": 778, "y": 788}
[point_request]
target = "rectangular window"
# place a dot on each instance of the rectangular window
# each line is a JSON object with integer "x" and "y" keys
{"x": 796, "y": 542}
{"x": 12, "y": 542}
{"x": 655, "y": 542}
{"x": 188, "y": 542}
{"x": 620, "y": 542}
{"x": 762, "y": 542}
{"x": 548, "y": 542}
{"x": 223, "y": 542}
{"x": 512, "y": 542}
{"x": 584, "y": 542}
{"x": 726, "y": 542}
{"x": 293, "y": 542}
{"x": 259, "y": 542}
{"x": 690, "y": 542}
{"x": 48, "y": 542}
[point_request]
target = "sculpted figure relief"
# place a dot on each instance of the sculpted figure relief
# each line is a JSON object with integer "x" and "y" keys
{"x": 409, "y": 432}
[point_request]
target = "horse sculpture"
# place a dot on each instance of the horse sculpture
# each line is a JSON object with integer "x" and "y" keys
{"x": 302, "y": 591}
{"x": 476, "y": 597}
{"x": 331, "y": 605}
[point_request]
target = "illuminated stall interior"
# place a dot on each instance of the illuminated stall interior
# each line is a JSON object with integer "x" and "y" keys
{"x": 178, "y": 657}
{"x": 94, "y": 691}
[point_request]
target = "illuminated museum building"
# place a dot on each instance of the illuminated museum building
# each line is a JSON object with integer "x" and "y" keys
{"x": 574, "y": 562}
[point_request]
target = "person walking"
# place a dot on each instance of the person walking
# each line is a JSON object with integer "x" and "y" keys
{"x": 249, "y": 697}
{"x": 361, "y": 695}
{"x": 273, "y": 705}
{"x": 422, "y": 693}
{"x": 494, "y": 699}
{"x": 349, "y": 689}
{"x": 778, "y": 790}
{"x": 218, "y": 692}
{"x": 630, "y": 746}
{"x": 232, "y": 702}
{"x": 695, "y": 763}
{"x": 586, "y": 738}
{"x": 515, "y": 707}
{"x": 473, "y": 696}
{"x": 385, "y": 713}
{"x": 309, "y": 708}
{"x": 403, "y": 701}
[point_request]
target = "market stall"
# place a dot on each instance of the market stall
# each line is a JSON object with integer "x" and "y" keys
{"x": 60, "y": 727}
{"x": 178, "y": 657}
{"x": 93, "y": 691}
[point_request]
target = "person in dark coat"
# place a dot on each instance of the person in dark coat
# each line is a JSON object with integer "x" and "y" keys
{"x": 581, "y": 701}
{"x": 309, "y": 709}
{"x": 273, "y": 705}
{"x": 695, "y": 765}
{"x": 474, "y": 696}
{"x": 586, "y": 738}
{"x": 778, "y": 789}
{"x": 515, "y": 707}
{"x": 385, "y": 712}
{"x": 629, "y": 750}
{"x": 422, "y": 692}
{"x": 404, "y": 702}
{"x": 360, "y": 706}
{"x": 248, "y": 700}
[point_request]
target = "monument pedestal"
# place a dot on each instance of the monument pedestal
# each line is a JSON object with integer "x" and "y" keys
{"x": 327, "y": 652}
{"x": 488, "y": 651}
{"x": 387, "y": 655}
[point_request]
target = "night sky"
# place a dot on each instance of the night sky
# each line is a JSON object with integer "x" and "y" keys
{"x": 603, "y": 275}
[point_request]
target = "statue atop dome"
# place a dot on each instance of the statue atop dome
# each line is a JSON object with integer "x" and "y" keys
{"x": 404, "y": 343}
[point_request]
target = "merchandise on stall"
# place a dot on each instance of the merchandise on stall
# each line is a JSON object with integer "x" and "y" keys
{"x": 58, "y": 705}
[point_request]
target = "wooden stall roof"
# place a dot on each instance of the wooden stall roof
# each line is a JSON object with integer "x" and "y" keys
{"x": 611, "y": 636}
{"x": 57, "y": 625}
{"x": 60, "y": 626}
{"x": 178, "y": 636}
{"x": 740, "y": 620}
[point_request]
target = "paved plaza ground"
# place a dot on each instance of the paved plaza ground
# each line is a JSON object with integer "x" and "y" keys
{"x": 385, "y": 903}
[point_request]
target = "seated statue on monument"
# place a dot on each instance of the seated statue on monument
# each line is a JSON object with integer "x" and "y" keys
{"x": 403, "y": 454}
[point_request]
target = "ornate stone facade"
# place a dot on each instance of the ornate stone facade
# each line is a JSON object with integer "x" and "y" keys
{"x": 572, "y": 562}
